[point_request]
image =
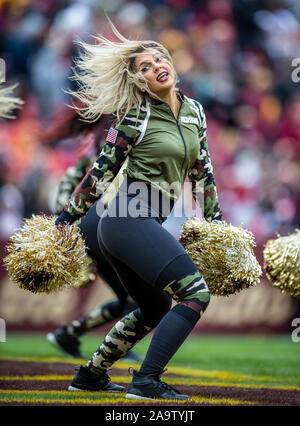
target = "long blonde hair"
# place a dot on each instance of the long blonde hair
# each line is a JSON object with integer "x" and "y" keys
{"x": 107, "y": 79}
{"x": 8, "y": 103}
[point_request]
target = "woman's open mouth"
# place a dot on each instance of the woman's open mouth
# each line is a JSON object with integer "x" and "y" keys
{"x": 163, "y": 76}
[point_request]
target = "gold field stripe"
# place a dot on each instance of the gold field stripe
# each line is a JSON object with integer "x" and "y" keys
{"x": 109, "y": 401}
{"x": 57, "y": 392}
{"x": 181, "y": 371}
{"x": 224, "y": 375}
{"x": 178, "y": 381}
{"x": 227, "y": 401}
{"x": 21, "y": 396}
{"x": 38, "y": 378}
{"x": 171, "y": 380}
{"x": 64, "y": 401}
{"x": 46, "y": 360}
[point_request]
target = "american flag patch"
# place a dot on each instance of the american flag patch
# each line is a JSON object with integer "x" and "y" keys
{"x": 112, "y": 135}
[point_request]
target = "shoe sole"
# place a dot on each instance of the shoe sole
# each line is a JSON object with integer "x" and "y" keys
{"x": 132, "y": 396}
{"x": 73, "y": 389}
{"x": 51, "y": 339}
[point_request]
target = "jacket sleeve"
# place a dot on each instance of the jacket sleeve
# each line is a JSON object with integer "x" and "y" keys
{"x": 95, "y": 135}
{"x": 69, "y": 181}
{"x": 201, "y": 176}
{"x": 103, "y": 171}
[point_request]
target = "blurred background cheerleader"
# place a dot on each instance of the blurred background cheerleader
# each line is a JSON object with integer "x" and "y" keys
{"x": 66, "y": 338}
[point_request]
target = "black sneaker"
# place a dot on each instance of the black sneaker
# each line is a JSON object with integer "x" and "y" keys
{"x": 65, "y": 342}
{"x": 85, "y": 380}
{"x": 151, "y": 387}
{"x": 132, "y": 357}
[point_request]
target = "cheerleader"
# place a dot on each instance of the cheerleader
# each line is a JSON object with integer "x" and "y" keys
{"x": 163, "y": 134}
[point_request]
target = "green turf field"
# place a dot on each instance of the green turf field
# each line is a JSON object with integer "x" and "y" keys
{"x": 212, "y": 370}
{"x": 276, "y": 357}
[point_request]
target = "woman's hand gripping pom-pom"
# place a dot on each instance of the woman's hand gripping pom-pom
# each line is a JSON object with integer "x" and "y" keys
{"x": 282, "y": 263}
{"x": 223, "y": 254}
{"x": 44, "y": 258}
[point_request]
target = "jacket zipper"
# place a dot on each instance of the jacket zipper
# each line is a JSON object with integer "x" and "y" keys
{"x": 181, "y": 135}
{"x": 185, "y": 152}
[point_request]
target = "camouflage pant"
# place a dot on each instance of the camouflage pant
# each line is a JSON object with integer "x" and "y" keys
{"x": 122, "y": 337}
{"x": 190, "y": 291}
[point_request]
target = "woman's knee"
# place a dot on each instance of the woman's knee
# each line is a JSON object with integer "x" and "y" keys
{"x": 190, "y": 291}
{"x": 184, "y": 283}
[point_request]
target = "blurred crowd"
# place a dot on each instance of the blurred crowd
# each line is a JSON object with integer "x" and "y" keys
{"x": 234, "y": 56}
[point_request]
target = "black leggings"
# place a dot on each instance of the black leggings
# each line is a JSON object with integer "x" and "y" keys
{"x": 155, "y": 269}
{"x": 146, "y": 258}
{"x": 88, "y": 228}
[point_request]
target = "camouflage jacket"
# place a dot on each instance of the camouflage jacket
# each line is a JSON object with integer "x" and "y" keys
{"x": 161, "y": 149}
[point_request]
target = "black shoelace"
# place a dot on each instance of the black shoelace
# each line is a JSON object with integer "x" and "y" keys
{"x": 162, "y": 384}
{"x": 167, "y": 386}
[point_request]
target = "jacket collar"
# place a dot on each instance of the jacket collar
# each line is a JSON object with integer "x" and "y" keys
{"x": 154, "y": 101}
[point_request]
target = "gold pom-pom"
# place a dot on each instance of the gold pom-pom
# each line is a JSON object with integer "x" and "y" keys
{"x": 43, "y": 258}
{"x": 8, "y": 103}
{"x": 223, "y": 254}
{"x": 282, "y": 263}
{"x": 90, "y": 276}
